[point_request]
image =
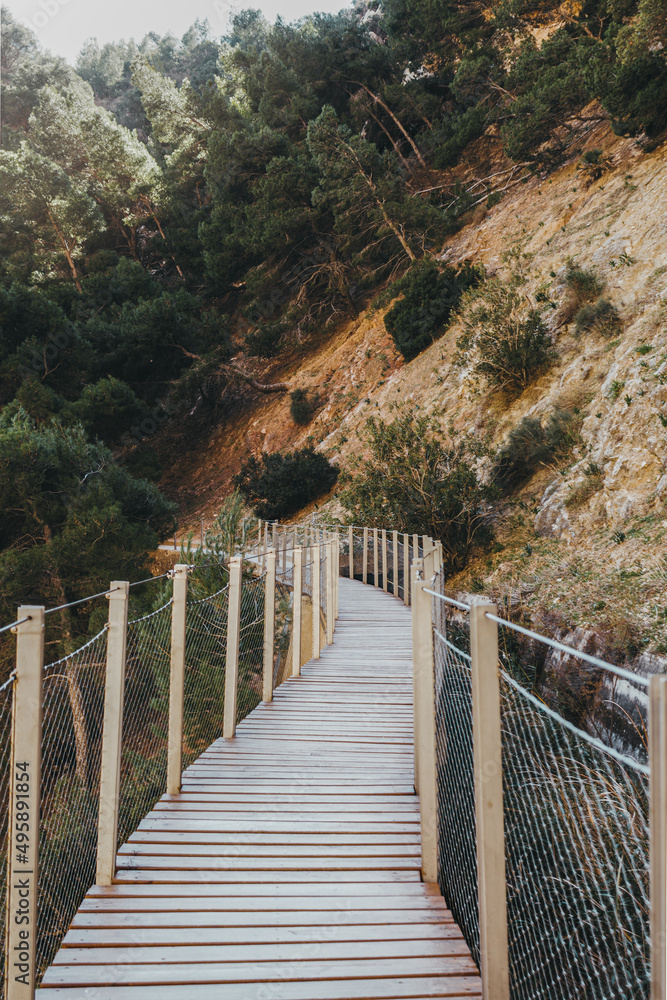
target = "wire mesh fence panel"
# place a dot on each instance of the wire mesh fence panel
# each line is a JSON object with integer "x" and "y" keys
{"x": 143, "y": 777}
{"x": 251, "y": 646}
{"x": 358, "y": 554}
{"x": 400, "y": 570}
{"x": 205, "y": 662}
{"x": 6, "y": 703}
{"x": 282, "y": 663}
{"x": 73, "y": 715}
{"x": 457, "y": 853}
{"x": 577, "y": 849}
{"x": 324, "y": 565}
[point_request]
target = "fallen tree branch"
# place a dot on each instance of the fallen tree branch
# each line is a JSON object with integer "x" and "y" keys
{"x": 273, "y": 387}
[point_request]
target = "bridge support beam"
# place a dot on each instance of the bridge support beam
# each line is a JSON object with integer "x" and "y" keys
{"x": 316, "y": 596}
{"x": 177, "y": 680}
{"x": 490, "y": 830}
{"x": 658, "y": 834}
{"x": 24, "y": 803}
{"x": 233, "y": 644}
{"x": 112, "y": 734}
{"x": 296, "y": 612}
{"x": 269, "y": 626}
{"x": 364, "y": 574}
{"x": 406, "y": 569}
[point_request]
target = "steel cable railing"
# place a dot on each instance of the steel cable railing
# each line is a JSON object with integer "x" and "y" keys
{"x": 576, "y": 817}
{"x": 457, "y": 857}
{"x": 204, "y": 677}
{"x": 72, "y": 716}
{"x": 251, "y": 647}
{"x": 143, "y": 774}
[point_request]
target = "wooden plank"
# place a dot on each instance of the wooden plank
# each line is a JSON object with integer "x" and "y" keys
{"x": 156, "y": 896}
{"x": 222, "y": 921}
{"x": 327, "y": 930}
{"x": 307, "y": 951}
{"x": 241, "y": 972}
{"x": 245, "y": 876}
{"x": 278, "y": 851}
{"x": 272, "y": 840}
{"x": 402, "y": 988}
{"x": 163, "y": 865}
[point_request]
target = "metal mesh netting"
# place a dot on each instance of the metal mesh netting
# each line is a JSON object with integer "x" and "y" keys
{"x": 73, "y": 713}
{"x": 143, "y": 776}
{"x": 457, "y": 853}
{"x": 400, "y": 570}
{"x": 358, "y": 554}
{"x": 205, "y": 659}
{"x": 576, "y": 828}
{"x": 251, "y": 647}
{"x": 282, "y": 663}
{"x": 6, "y": 698}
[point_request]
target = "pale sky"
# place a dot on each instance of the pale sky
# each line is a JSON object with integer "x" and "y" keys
{"x": 63, "y": 25}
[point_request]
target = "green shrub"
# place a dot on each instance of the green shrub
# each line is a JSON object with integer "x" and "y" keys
{"x": 430, "y": 294}
{"x": 593, "y": 165}
{"x": 278, "y": 486}
{"x": 417, "y": 482}
{"x": 265, "y": 341}
{"x": 600, "y": 316}
{"x": 531, "y": 445}
{"x": 583, "y": 282}
{"x": 302, "y": 406}
{"x": 505, "y": 338}
{"x": 592, "y": 484}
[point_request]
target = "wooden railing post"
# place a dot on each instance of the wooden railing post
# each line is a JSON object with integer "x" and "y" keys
{"x": 415, "y": 571}
{"x": 350, "y": 542}
{"x": 384, "y": 560}
{"x": 337, "y": 574}
{"x": 658, "y": 834}
{"x": 364, "y": 574}
{"x": 233, "y": 644}
{"x": 25, "y": 771}
{"x": 269, "y": 626}
{"x": 394, "y": 563}
{"x": 376, "y": 558}
{"x": 112, "y": 733}
{"x": 259, "y": 536}
{"x": 424, "y": 695}
{"x": 406, "y": 569}
{"x": 317, "y": 558}
{"x": 177, "y": 680}
{"x": 296, "y": 612}
{"x": 487, "y": 749}
{"x": 429, "y": 561}
{"x": 331, "y": 598}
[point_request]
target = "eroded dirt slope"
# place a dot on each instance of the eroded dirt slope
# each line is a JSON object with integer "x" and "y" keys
{"x": 594, "y": 548}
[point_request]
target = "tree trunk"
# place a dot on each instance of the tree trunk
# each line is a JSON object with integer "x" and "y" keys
{"x": 395, "y": 120}
{"x": 65, "y": 246}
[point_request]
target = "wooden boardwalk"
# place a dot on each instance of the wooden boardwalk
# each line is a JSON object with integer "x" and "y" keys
{"x": 289, "y": 866}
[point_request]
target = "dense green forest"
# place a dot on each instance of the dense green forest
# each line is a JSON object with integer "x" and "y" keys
{"x": 167, "y": 207}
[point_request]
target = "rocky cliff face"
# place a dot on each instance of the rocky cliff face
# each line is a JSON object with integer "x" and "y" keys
{"x": 584, "y": 542}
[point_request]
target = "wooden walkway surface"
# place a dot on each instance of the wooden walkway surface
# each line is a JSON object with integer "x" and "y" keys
{"x": 288, "y": 867}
